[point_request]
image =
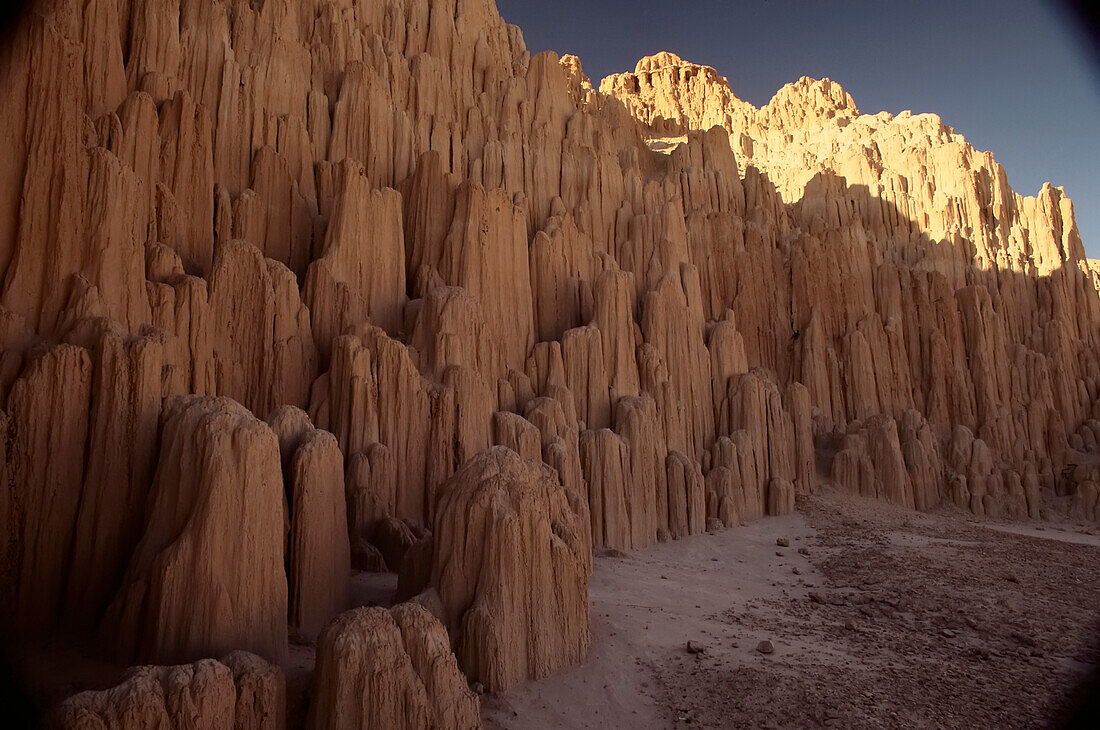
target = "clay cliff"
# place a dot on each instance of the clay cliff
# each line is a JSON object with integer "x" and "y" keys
{"x": 297, "y": 285}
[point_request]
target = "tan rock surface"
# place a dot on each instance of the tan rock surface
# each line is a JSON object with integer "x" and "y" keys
{"x": 208, "y": 574}
{"x": 41, "y": 478}
{"x": 319, "y": 553}
{"x": 381, "y": 669}
{"x": 241, "y": 692}
{"x": 391, "y": 216}
{"x": 510, "y": 558}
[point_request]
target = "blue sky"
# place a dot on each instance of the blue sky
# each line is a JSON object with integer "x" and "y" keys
{"x": 1017, "y": 77}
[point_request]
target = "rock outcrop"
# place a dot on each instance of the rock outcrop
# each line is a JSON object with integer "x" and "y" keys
{"x": 667, "y": 310}
{"x": 207, "y": 576}
{"x": 318, "y": 550}
{"x": 510, "y": 558}
{"x": 937, "y": 313}
{"x": 240, "y": 692}
{"x": 380, "y": 669}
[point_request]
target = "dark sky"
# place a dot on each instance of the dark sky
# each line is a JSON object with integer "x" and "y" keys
{"x": 1018, "y": 77}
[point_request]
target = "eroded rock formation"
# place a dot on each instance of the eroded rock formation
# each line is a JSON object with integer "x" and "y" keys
{"x": 510, "y": 562}
{"x": 207, "y": 576}
{"x": 388, "y": 215}
{"x": 240, "y": 692}
{"x": 318, "y": 549}
{"x": 379, "y": 669}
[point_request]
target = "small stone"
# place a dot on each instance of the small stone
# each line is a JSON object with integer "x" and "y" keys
{"x": 850, "y": 625}
{"x": 478, "y": 687}
{"x": 796, "y": 571}
{"x": 766, "y": 647}
{"x": 694, "y": 647}
{"x": 783, "y": 542}
{"x": 804, "y": 551}
{"x": 948, "y": 633}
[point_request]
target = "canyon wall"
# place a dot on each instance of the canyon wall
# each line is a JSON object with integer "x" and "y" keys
{"x": 228, "y": 227}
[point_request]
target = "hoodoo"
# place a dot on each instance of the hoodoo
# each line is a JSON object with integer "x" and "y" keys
{"x": 293, "y": 286}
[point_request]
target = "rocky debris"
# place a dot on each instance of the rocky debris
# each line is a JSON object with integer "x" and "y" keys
{"x": 510, "y": 557}
{"x": 208, "y": 575}
{"x": 694, "y": 647}
{"x": 241, "y": 692}
{"x": 379, "y": 668}
{"x": 783, "y": 542}
{"x": 766, "y": 647}
{"x": 1014, "y": 658}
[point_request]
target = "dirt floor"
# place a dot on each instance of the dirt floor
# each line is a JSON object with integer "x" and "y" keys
{"x": 879, "y": 618}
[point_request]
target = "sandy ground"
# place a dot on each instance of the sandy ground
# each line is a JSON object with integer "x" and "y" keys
{"x": 885, "y": 619}
{"x": 645, "y": 608}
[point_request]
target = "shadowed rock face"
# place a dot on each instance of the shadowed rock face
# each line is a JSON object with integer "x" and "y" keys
{"x": 511, "y": 556}
{"x": 389, "y": 669}
{"x": 318, "y": 548}
{"x": 240, "y": 692}
{"x": 393, "y": 234}
{"x": 208, "y": 574}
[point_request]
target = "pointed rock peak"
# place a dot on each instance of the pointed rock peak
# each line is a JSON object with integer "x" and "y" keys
{"x": 579, "y": 83}
{"x": 573, "y": 68}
